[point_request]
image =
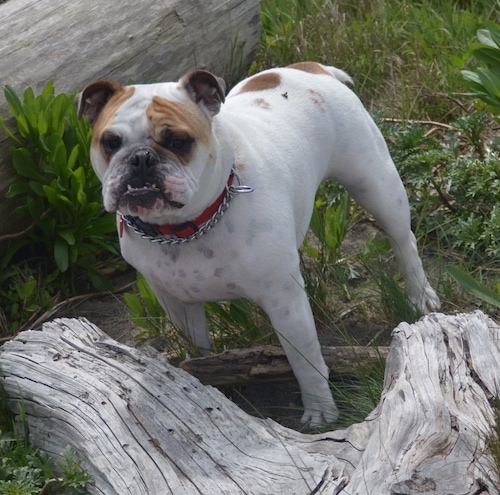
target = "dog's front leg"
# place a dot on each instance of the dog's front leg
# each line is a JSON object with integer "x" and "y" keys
{"x": 190, "y": 319}
{"x": 292, "y": 319}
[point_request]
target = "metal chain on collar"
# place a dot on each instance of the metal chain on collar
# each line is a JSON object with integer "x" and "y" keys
{"x": 231, "y": 191}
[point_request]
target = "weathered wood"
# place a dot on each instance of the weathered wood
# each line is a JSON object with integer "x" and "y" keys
{"x": 73, "y": 43}
{"x": 267, "y": 363}
{"x": 144, "y": 427}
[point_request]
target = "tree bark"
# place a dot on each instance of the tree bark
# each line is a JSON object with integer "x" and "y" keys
{"x": 74, "y": 43}
{"x": 144, "y": 427}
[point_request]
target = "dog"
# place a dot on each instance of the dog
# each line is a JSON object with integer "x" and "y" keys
{"x": 214, "y": 195}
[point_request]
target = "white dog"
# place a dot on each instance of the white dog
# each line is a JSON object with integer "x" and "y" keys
{"x": 174, "y": 162}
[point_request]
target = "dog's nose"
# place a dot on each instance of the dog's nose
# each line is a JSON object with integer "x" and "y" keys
{"x": 144, "y": 158}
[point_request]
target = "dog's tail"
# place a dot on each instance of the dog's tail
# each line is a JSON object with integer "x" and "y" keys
{"x": 341, "y": 76}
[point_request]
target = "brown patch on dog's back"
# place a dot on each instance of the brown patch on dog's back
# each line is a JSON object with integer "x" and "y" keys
{"x": 317, "y": 99}
{"x": 260, "y": 102}
{"x": 269, "y": 80}
{"x": 311, "y": 67}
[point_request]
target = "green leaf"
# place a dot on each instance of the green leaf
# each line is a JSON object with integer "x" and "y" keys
{"x": 24, "y": 164}
{"x": 470, "y": 76}
{"x": 104, "y": 225}
{"x": 484, "y": 37}
{"x": 23, "y": 126}
{"x": 68, "y": 236}
{"x": 12, "y": 136}
{"x": 473, "y": 286}
{"x": 42, "y": 124}
{"x": 135, "y": 305}
{"x": 490, "y": 81}
{"x": 488, "y": 56}
{"x": 37, "y": 188}
{"x": 48, "y": 90}
{"x": 15, "y": 105}
{"x": 15, "y": 190}
{"x": 59, "y": 157}
{"x": 61, "y": 254}
{"x": 494, "y": 30}
{"x": 73, "y": 158}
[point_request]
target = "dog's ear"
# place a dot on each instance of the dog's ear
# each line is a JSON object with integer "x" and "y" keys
{"x": 203, "y": 87}
{"x": 94, "y": 97}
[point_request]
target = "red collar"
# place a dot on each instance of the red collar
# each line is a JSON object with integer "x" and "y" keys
{"x": 182, "y": 230}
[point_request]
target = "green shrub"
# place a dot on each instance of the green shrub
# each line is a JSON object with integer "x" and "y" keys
{"x": 454, "y": 186}
{"x": 27, "y": 470}
{"x": 71, "y": 238}
{"x": 60, "y": 193}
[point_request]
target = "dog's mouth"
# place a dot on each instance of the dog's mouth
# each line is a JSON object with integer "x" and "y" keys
{"x": 148, "y": 191}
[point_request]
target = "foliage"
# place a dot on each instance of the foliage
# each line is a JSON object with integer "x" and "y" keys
{"x": 234, "y": 324}
{"x": 26, "y": 470}
{"x": 403, "y": 56}
{"x": 70, "y": 236}
{"x": 145, "y": 310}
{"x": 476, "y": 288}
{"x": 454, "y": 184}
{"x": 484, "y": 82}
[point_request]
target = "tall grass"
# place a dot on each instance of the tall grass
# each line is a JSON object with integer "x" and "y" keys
{"x": 404, "y": 55}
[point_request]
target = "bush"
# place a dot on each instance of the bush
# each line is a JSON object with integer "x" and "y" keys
{"x": 70, "y": 237}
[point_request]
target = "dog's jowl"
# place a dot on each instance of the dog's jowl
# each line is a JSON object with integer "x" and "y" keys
{"x": 214, "y": 194}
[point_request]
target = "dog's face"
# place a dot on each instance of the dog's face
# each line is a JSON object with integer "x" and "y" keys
{"x": 152, "y": 143}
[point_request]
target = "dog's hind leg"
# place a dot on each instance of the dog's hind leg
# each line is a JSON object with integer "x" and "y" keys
{"x": 383, "y": 195}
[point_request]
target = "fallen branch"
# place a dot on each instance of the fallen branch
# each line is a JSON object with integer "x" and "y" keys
{"x": 264, "y": 364}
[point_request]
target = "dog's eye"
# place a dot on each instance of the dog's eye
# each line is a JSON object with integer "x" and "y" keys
{"x": 180, "y": 145}
{"x": 111, "y": 143}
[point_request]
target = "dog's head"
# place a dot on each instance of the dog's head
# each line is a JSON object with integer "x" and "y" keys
{"x": 152, "y": 144}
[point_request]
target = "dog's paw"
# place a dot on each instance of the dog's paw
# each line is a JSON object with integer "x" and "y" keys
{"x": 427, "y": 300}
{"x": 319, "y": 411}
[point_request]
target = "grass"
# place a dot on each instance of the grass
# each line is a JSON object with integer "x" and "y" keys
{"x": 404, "y": 56}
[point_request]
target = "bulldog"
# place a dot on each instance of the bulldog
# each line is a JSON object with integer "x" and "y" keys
{"x": 214, "y": 195}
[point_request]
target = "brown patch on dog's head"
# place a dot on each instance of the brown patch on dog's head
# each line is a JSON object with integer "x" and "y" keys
{"x": 317, "y": 99}
{"x": 98, "y": 95}
{"x": 99, "y": 102}
{"x": 260, "y": 82}
{"x": 176, "y": 128}
{"x": 311, "y": 67}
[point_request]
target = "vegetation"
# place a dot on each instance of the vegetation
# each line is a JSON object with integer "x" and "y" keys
{"x": 26, "y": 470}
{"x": 70, "y": 239}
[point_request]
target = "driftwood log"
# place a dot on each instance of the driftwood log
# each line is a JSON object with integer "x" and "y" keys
{"x": 267, "y": 364}
{"x": 144, "y": 427}
{"x": 74, "y": 43}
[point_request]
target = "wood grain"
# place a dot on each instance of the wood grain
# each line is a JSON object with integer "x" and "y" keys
{"x": 144, "y": 427}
